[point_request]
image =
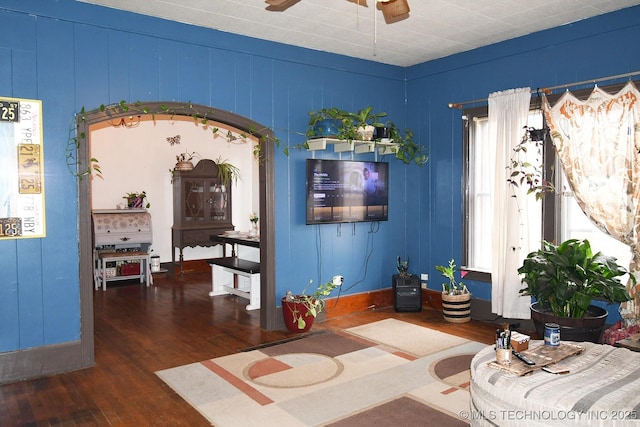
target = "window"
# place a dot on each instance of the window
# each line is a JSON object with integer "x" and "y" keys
{"x": 479, "y": 206}
{"x": 563, "y": 217}
{"x": 576, "y": 225}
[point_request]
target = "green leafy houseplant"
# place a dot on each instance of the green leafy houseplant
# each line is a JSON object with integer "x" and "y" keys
{"x": 227, "y": 172}
{"x": 331, "y": 119}
{"x": 408, "y": 150}
{"x": 452, "y": 287}
{"x": 303, "y": 305}
{"x": 565, "y": 278}
{"x": 136, "y": 200}
{"x": 526, "y": 166}
{"x": 345, "y": 126}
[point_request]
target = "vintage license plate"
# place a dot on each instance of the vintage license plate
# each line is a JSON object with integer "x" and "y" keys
{"x": 9, "y": 111}
{"x": 10, "y": 227}
{"x": 29, "y": 175}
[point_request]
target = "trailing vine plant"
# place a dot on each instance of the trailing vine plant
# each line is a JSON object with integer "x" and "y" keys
{"x": 528, "y": 171}
{"x": 408, "y": 151}
{"x": 138, "y": 108}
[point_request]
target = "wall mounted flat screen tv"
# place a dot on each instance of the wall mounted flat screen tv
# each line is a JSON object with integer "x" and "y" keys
{"x": 347, "y": 191}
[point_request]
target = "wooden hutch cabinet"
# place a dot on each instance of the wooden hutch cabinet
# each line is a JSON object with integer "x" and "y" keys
{"x": 201, "y": 207}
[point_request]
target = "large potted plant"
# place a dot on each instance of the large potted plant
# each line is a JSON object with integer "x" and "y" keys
{"x": 300, "y": 310}
{"x": 456, "y": 298}
{"x": 564, "y": 279}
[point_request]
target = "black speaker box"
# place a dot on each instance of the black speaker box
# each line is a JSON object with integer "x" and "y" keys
{"x": 407, "y": 293}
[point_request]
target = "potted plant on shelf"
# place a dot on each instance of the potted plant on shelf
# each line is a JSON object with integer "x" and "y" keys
{"x": 300, "y": 310}
{"x": 344, "y": 125}
{"x": 564, "y": 279}
{"x": 184, "y": 161}
{"x": 349, "y": 126}
{"x": 456, "y": 298}
{"x": 136, "y": 200}
{"x": 366, "y": 121}
{"x": 328, "y": 123}
{"x": 227, "y": 172}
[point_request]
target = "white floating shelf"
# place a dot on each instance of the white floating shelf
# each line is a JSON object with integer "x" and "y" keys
{"x": 342, "y": 146}
{"x": 339, "y": 145}
{"x": 387, "y": 148}
{"x": 365, "y": 147}
{"x": 317, "y": 144}
{"x": 359, "y": 147}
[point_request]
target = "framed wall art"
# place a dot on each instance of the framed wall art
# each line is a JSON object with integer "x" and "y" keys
{"x": 22, "y": 212}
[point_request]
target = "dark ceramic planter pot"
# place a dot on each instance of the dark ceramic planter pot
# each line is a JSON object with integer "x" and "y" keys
{"x": 288, "y": 310}
{"x": 588, "y": 328}
{"x": 382, "y": 133}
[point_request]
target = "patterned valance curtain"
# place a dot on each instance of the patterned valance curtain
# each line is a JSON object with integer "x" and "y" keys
{"x": 598, "y": 143}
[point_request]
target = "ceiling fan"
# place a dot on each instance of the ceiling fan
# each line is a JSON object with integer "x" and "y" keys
{"x": 393, "y": 10}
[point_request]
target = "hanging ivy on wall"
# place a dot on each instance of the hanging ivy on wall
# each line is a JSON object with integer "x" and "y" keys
{"x": 114, "y": 111}
{"x": 408, "y": 151}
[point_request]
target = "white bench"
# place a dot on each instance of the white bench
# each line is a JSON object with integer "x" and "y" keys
{"x": 233, "y": 275}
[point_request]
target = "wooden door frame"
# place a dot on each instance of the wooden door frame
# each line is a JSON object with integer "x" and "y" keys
{"x": 84, "y": 122}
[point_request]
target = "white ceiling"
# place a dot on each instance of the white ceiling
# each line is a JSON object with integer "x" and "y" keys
{"x": 433, "y": 29}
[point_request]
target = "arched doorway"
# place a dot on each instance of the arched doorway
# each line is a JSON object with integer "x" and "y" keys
{"x": 86, "y": 120}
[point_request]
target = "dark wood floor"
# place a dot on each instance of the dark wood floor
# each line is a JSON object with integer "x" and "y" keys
{"x": 140, "y": 330}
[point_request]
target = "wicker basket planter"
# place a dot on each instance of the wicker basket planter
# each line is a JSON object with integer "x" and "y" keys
{"x": 456, "y": 308}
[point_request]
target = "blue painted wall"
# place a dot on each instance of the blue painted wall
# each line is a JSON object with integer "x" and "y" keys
{"x": 599, "y": 47}
{"x": 73, "y": 55}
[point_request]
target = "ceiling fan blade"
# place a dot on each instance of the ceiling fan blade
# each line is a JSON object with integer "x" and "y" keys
{"x": 395, "y": 10}
{"x": 279, "y": 5}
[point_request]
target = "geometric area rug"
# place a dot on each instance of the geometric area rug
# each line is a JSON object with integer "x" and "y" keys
{"x": 385, "y": 373}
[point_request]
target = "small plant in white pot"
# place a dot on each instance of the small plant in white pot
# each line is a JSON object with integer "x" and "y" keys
{"x": 456, "y": 298}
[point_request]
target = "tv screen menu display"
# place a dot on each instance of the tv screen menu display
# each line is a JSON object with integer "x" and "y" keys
{"x": 346, "y": 191}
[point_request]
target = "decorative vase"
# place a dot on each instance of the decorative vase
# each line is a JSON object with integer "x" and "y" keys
{"x": 456, "y": 308}
{"x": 289, "y": 308}
{"x": 184, "y": 166}
{"x": 254, "y": 230}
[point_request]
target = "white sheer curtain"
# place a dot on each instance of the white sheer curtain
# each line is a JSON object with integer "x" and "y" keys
{"x": 598, "y": 142}
{"x": 508, "y": 111}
